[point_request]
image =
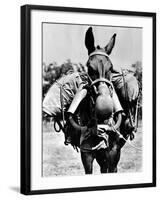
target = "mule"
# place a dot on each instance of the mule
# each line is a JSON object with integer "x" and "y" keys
{"x": 99, "y": 111}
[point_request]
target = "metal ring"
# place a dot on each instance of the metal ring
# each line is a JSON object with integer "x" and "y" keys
{"x": 102, "y": 80}
{"x": 57, "y": 130}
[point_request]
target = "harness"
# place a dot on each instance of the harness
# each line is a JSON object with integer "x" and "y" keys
{"x": 61, "y": 126}
{"x": 126, "y": 97}
{"x": 92, "y": 84}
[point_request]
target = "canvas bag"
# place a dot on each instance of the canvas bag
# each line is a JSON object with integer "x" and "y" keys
{"x": 126, "y": 86}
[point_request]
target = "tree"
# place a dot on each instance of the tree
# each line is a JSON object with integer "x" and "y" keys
{"x": 52, "y": 72}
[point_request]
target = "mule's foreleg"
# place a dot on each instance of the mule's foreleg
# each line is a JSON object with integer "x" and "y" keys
{"x": 102, "y": 157}
{"x": 87, "y": 160}
{"x": 114, "y": 156}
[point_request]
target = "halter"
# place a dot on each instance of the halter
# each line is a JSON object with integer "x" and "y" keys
{"x": 102, "y": 80}
{"x": 109, "y": 83}
{"x": 99, "y": 53}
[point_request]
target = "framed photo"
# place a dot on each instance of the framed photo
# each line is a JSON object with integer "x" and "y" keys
{"x": 88, "y": 99}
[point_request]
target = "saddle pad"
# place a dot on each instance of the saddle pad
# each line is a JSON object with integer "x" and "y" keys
{"x": 70, "y": 84}
{"x": 131, "y": 88}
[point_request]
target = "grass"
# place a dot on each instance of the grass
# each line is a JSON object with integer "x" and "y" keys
{"x": 61, "y": 160}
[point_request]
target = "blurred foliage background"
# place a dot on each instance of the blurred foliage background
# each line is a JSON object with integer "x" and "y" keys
{"x": 53, "y": 71}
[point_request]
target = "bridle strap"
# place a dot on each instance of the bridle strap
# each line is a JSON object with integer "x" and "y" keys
{"x": 99, "y": 53}
{"x": 102, "y": 80}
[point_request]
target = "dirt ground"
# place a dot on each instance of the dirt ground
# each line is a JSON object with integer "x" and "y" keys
{"x": 60, "y": 160}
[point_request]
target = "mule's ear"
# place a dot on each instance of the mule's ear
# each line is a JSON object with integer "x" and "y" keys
{"x": 89, "y": 40}
{"x": 110, "y": 45}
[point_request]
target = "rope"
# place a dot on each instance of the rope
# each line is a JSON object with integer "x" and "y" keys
{"x": 121, "y": 136}
{"x": 62, "y": 102}
{"x": 134, "y": 124}
{"x": 62, "y": 105}
{"x": 136, "y": 113}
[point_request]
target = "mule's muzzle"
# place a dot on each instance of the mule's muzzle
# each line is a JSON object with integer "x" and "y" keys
{"x": 104, "y": 102}
{"x": 104, "y": 105}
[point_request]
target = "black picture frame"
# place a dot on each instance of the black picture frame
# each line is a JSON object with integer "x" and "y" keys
{"x": 26, "y": 85}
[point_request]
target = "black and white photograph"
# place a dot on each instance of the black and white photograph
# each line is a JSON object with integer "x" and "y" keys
{"x": 80, "y": 100}
{"x": 92, "y": 99}
{"x": 88, "y": 99}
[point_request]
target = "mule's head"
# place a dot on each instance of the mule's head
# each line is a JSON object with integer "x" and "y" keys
{"x": 99, "y": 64}
{"x": 99, "y": 69}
